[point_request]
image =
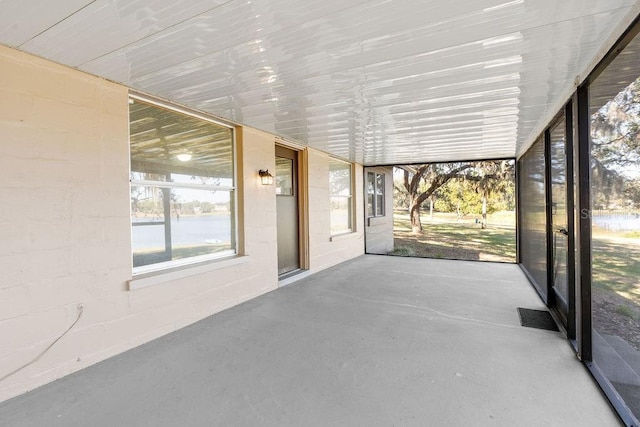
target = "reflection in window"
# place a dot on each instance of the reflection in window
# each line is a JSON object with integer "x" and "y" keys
{"x": 532, "y": 215}
{"x": 375, "y": 194}
{"x": 284, "y": 176}
{"x": 182, "y": 187}
{"x": 614, "y": 102}
{"x": 340, "y": 192}
{"x": 379, "y": 205}
{"x": 559, "y": 218}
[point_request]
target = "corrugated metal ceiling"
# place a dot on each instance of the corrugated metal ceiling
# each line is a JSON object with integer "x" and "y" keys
{"x": 378, "y": 82}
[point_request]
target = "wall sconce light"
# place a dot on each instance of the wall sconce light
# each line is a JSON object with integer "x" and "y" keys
{"x": 265, "y": 177}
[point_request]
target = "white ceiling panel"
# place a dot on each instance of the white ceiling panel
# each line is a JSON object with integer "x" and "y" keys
{"x": 378, "y": 82}
{"x": 106, "y": 26}
{"x": 22, "y": 20}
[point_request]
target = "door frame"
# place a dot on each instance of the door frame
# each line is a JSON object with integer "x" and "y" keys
{"x": 565, "y": 315}
{"x": 302, "y": 159}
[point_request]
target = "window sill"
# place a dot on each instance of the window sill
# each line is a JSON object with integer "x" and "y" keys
{"x": 342, "y": 236}
{"x": 376, "y": 220}
{"x": 166, "y": 275}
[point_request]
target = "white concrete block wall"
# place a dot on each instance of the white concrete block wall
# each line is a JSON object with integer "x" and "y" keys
{"x": 63, "y": 220}
{"x": 379, "y": 230}
{"x": 324, "y": 250}
{"x": 65, "y": 227}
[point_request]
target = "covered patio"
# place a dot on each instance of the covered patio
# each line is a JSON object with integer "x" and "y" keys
{"x": 377, "y": 340}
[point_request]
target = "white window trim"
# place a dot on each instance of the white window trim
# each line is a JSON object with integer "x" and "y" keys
{"x": 352, "y": 228}
{"x": 343, "y": 236}
{"x": 375, "y": 186}
{"x": 175, "y": 272}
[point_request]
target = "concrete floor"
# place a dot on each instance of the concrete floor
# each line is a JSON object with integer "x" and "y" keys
{"x": 378, "y": 341}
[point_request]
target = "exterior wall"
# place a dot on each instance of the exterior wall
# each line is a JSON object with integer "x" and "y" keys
{"x": 325, "y": 250}
{"x": 380, "y": 229}
{"x": 65, "y": 228}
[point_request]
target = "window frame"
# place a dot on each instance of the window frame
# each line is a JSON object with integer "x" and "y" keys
{"x": 181, "y": 263}
{"x": 374, "y": 204}
{"x": 350, "y": 198}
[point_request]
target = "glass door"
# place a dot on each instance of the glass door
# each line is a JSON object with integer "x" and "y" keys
{"x": 286, "y": 180}
{"x": 559, "y": 235}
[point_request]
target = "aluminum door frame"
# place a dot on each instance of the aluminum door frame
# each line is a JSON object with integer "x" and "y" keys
{"x": 288, "y": 216}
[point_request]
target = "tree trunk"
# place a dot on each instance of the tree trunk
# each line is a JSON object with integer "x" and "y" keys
{"x": 417, "y": 197}
{"x": 414, "y": 210}
{"x": 484, "y": 212}
{"x": 431, "y": 207}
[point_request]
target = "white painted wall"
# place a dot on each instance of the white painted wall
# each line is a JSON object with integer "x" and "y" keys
{"x": 379, "y": 230}
{"x": 324, "y": 250}
{"x": 65, "y": 227}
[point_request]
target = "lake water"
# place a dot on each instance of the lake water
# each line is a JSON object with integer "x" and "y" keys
{"x": 617, "y": 222}
{"x": 190, "y": 230}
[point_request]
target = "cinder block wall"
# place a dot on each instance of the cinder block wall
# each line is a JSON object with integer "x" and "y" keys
{"x": 65, "y": 227}
{"x": 326, "y": 251}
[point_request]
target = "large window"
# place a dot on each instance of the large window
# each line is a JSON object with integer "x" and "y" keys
{"x": 341, "y": 199}
{"x": 375, "y": 194}
{"x": 182, "y": 187}
{"x": 532, "y": 215}
{"x": 614, "y": 103}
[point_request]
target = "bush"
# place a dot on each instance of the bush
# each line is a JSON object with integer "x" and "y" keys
{"x": 402, "y": 251}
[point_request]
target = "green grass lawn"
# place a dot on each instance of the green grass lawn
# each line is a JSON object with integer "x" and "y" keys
{"x": 444, "y": 237}
{"x": 616, "y": 285}
{"x": 155, "y": 255}
{"x": 616, "y": 265}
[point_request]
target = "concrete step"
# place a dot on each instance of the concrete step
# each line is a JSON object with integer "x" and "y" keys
{"x": 626, "y": 352}
{"x": 613, "y": 364}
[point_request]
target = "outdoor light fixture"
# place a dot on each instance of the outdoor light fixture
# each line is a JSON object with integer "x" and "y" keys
{"x": 265, "y": 177}
{"x": 184, "y": 157}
